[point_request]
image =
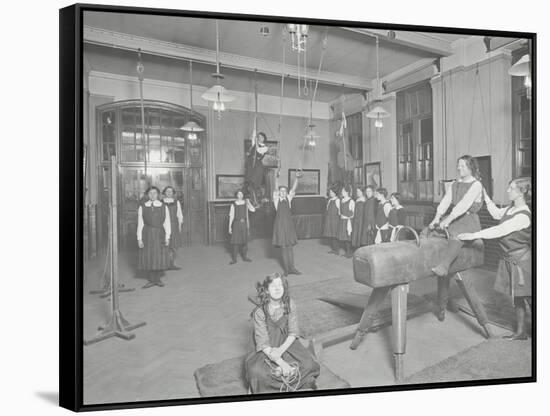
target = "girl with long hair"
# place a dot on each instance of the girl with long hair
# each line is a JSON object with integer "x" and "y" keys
{"x": 176, "y": 222}
{"x": 514, "y": 234}
{"x": 383, "y": 209}
{"x": 466, "y": 195}
{"x": 369, "y": 220}
{"x": 397, "y": 217}
{"x": 280, "y": 362}
{"x": 358, "y": 222}
{"x": 153, "y": 236}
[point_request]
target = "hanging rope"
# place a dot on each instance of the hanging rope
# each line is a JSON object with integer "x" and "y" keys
{"x": 283, "y": 68}
{"x": 255, "y": 131}
{"x": 140, "y": 69}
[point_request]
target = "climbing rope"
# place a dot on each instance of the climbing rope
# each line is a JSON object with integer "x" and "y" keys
{"x": 140, "y": 69}
{"x": 290, "y": 382}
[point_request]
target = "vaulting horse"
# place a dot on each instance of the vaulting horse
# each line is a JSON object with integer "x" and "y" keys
{"x": 390, "y": 267}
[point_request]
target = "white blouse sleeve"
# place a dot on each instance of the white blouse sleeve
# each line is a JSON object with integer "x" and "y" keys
{"x": 179, "y": 213}
{"x": 140, "y": 223}
{"x": 249, "y": 206}
{"x": 496, "y": 212}
{"x": 445, "y": 203}
{"x": 516, "y": 223}
{"x": 167, "y": 226}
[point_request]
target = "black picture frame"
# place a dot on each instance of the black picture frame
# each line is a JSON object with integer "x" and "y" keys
{"x": 304, "y": 187}
{"x": 371, "y": 172}
{"x": 71, "y": 152}
{"x": 227, "y": 185}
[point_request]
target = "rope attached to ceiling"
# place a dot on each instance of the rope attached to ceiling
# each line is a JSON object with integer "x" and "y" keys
{"x": 140, "y": 70}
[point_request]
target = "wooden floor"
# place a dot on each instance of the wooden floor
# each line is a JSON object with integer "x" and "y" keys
{"x": 201, "y": 316}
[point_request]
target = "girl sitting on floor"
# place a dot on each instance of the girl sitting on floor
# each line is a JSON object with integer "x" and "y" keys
{"x": 280, "y": 362}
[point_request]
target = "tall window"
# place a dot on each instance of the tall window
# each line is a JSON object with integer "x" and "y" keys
{"x": 521, "y": 123}
{"x": 415, "y": 143}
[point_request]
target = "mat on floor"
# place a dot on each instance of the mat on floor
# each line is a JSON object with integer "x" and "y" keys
{"x": 226, "y": 379}
{"x": 492, "y": 359}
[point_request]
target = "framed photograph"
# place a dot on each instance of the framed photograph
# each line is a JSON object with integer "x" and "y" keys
{"x": 156, "y": 289}
{"x": 270, "y": 159}
{"x": 228, "y": 185}
{"x": 373, "y": 174}
{"x": 308, "y": 184}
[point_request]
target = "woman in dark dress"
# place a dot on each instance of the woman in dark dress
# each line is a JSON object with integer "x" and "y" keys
{"x": 280, "y": 362}
{"x": 465, "y": 194}
{"x": 153, "y": 235}
{"x": 397, "y": 217}
{"x": 383, "y": 209}
{"x": 176, "y": 221}
{"x": 284, "y": 230}
{"x": 358, "y": 222}
{"x": 332, "y": 218}
{"x": 345, "y": 227}
{"x": 369, "y": 220}
{"x": 514, "y": 234}
{"x": 255, "y": 169}
{"x": 239, "y": 226}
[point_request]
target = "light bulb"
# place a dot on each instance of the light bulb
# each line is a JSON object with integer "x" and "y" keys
{"x": 222, "y": 106}
{"x": 216, "y": 106}
{"x": 378, "y": 123}
{"x": 527, "y": 81}
{"x": 312, "y": 142}
{"x": 192, "y": 136}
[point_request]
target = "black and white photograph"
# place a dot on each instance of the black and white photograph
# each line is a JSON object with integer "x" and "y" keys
{"x": 376, "y": 231}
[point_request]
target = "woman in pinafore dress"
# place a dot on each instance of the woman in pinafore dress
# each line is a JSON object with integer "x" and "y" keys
{"x": 284, "y": 230}
{"x": 358, "y": 222}
{"x": 345, "y": 228}
{"x": 369, "y": 220}
{"x": 279, "y": 362}
{"x": 254, "y": 168}
{"x": 397, "y": 217}
{"x": 332, "y": 218}
{"x": 383, "y": 209}
{"x": 176, "y": 221}
{"x": 514, "y": 234}
{"x": 153, "y": 235}
{"x": 465, "y": 194}
{"x": 239, "y": 226}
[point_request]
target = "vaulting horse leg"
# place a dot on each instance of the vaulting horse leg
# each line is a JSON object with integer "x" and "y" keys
{"x": 475, "y": 304}
{"x": 373, "y": 304}
{"x": 399, "y": 327}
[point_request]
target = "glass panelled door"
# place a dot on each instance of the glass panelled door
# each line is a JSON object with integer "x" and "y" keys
{"x": 164, "y": 155}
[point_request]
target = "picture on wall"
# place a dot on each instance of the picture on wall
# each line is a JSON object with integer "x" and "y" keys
{"x": 373, "y": 175}
{"x": 228, "y": 185}
{"x": 308, "y": 184}
{"x": 270, "y": 159}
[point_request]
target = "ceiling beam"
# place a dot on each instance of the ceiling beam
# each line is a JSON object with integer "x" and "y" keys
{"x": 421, "y": 41}
{"x": 112, "y": 39}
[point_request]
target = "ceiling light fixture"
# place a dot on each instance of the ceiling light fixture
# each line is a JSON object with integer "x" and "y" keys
{"x": 217, "y": 94}
{"x": 191, "y": 126}
{"x": 378, "y": 113}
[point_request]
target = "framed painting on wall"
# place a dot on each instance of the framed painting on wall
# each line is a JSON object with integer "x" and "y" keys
{"x": 373, "y": 174}
{"x": 308, "y": 184}
{"x": 228, "y": 185}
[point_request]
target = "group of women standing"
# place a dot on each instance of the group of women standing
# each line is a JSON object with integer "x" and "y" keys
{"x": 158, "y": 234}
{"x": 368, "y": 219}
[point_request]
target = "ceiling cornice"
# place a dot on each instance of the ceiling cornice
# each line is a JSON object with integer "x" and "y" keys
{"x": 112, "y": 39}
{"x": 420, "y": 41}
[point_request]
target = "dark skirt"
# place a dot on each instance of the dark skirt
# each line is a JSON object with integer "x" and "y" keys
{"x": 239, "y": 232}
{"x": 357, "y": 235}
{"x": 259, "y": 374}
{"x": 467, "y": 223}
{"x": 508, "y": 280}
{"x": 176, "y": 239}
{"x": 284, "y": 230}
{"x": 154, "y": 255}
{"x": 343, "y": 234}
{"x": 330, "y": 228}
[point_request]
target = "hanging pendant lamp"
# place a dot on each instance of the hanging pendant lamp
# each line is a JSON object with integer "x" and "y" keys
{"x": 191, "y": 126}
{"x": 217, "y": 94}
{"x": 378, "y": 113}
{"x": 522, "y": 68}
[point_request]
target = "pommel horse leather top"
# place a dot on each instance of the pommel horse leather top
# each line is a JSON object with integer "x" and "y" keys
{"x": 390, "y": 267}
{"x": 401, "y": 262}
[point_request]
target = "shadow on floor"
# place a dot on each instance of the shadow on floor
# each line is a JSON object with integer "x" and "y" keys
{"x": 52, "y": 397}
